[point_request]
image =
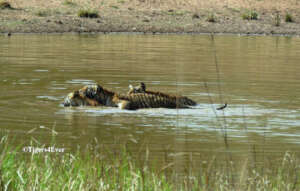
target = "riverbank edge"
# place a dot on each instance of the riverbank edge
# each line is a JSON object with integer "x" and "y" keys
{"x": 147, "y": 22}
{"x": 149, "y": 33}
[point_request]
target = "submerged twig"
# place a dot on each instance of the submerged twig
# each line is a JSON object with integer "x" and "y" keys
{"x": 222, "y": 107}
{"x": 212, "y": 103}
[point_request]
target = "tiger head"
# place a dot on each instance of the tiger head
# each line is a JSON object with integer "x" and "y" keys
{"x": 92, "y": 95}
{"x": 137, "y": 89}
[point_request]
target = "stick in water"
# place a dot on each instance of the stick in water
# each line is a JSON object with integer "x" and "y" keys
{"x": 223, "y": 107}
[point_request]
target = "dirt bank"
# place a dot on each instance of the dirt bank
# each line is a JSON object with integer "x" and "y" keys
{"x": 170, "y": 16}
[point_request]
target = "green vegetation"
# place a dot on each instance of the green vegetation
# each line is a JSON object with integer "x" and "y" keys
{"x": 250, "y": 15}
{"x": 277, "y": 20}
{"x": 121, "y": 1}
{"x": 69, "y": 3}
{"x": 98, "y": 168}
{"x": 88, "y": 13}
{"x": 114, "y": 6}
{"x": 289, "y": 18}
{"x": 5, "y": 5}
{"x": 211, "y": 18}
{"x": 43, "y": 13}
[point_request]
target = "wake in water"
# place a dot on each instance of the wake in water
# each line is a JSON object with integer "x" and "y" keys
{"x": 201, "y": 116}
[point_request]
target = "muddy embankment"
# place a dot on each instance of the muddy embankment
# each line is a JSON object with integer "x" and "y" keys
{"x": 170, "y": 16}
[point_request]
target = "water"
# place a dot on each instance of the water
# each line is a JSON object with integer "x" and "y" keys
{"x": 257, "y": 76}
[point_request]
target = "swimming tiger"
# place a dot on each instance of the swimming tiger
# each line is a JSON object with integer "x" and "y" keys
{"x": 95, "y": 95}
{"x": 182, "y": 100}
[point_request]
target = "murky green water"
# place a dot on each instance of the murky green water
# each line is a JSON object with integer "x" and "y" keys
{"x": 258, "y": 78}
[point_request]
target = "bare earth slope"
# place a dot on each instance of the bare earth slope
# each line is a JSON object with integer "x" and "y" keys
{"x": 152, "y": 16}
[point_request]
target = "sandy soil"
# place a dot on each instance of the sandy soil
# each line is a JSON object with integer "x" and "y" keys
{"x": 151, "y": 16}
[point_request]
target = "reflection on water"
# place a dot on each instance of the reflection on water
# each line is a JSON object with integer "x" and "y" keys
{"x": 258, "y": 79}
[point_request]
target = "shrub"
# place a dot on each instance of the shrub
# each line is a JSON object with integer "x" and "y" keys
{"x": 42, "y": 13}
{"x": 88, "y": 14}
{"x": 289, "y": 18}
{"x": 211, "y": 18}
{"x": 5, "y": 5}
{"x": 195, "y": 16}
{"x": 250, "y": 15}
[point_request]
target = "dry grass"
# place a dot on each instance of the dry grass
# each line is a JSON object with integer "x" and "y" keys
{"x": 167, "y": 16}
{"x": 189, "y": 5}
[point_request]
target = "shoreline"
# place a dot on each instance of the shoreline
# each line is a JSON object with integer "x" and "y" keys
{"x": 147, "y": 17}
{"x": 148, "y": 33}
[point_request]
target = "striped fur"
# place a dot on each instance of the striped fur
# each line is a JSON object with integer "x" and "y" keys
{"x": 95, "y": 95}
{"x": 181, "y": 100}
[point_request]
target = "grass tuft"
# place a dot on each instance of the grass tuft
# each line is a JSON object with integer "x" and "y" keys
{"x": 69, "y": 3}
{"x": 250, "y": 15}
{"x": 5, "y": 5}
{"x": 176, "y": 12}
{"x": 211, "y": 18}
{"x": 289, "y": 18}
{"x": 42, "y": 13}
{"x": 115, "y": 6}
{"x": 121, "y": 1}
{"x": 88, "y": 13}
{"x": 195, "y": 16}
{"x": 277, "y": 20}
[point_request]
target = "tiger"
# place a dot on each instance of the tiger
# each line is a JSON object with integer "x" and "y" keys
{"x": 182, "y": 100}
{"x": 137, "y": 89}
{"x": 96, "y": 95}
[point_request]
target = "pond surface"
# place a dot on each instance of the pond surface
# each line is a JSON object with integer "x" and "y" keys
{"x": 257, "y": 76}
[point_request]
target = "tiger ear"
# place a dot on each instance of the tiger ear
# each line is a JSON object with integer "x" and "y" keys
{"x": 98, "y": 88}
{"x": 143, "y": 86}
{"x": 91, "y": 91}
{"x": 75, "y": 93}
